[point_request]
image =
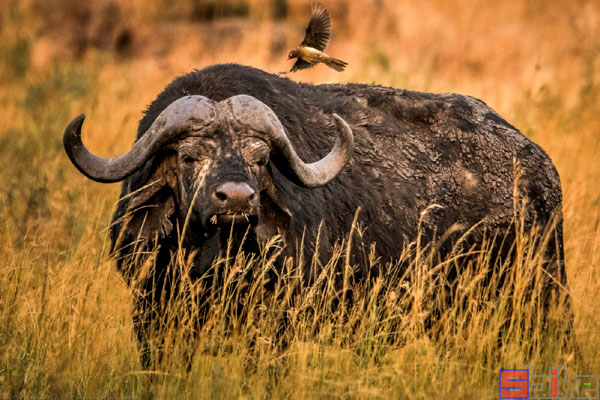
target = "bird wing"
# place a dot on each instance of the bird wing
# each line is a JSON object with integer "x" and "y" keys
{"x": 318, "y": 31}
{"x": 300, "y": 64}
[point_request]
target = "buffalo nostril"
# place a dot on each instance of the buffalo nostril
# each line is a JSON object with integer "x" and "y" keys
{"x": 221, "y": 196}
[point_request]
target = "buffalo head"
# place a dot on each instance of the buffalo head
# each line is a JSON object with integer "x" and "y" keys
{"x": 211, "y": 166}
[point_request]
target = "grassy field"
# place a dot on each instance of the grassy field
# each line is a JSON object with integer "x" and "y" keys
{"x": 65, "y": 312}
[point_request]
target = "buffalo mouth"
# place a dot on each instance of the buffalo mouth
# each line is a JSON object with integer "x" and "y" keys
{"x": 234, "y": 217}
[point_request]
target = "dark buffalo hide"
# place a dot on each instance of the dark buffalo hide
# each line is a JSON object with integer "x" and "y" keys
{"x": 441, "y": 163}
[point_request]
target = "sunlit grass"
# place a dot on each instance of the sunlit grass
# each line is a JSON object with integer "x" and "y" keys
{"x": 71, "y": 333}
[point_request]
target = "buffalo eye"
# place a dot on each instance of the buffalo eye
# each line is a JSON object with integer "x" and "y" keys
{"x": 256, "y": 152}
{"x": 263, "y": 160}
{"x": 187, "y": 159}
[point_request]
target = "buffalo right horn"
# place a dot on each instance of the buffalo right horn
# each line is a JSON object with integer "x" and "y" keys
{"x": 185, "y": 114}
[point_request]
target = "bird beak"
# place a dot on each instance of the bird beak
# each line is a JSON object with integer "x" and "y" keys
{"x": 289, "y": 58}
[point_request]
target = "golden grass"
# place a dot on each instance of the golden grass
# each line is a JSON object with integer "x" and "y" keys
{"x": 65, "y": 313}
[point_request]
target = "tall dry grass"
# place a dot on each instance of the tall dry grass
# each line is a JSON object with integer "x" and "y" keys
{"x": 65, "y": 313}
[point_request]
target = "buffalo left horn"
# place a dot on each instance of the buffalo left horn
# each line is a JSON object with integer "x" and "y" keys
{"x": 249, "y": 110}
{"x": 185, "y": 114}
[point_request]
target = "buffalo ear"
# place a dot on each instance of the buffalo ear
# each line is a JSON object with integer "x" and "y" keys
{"x": 151, "y": 207}
{"x": 275, "y": 219}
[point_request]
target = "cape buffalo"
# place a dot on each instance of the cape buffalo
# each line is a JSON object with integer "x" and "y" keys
{"x": 233, "y": 145}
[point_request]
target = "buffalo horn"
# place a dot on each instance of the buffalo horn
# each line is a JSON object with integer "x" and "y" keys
{"x": 313, "y": 175}
{"x": 185, "y": 114}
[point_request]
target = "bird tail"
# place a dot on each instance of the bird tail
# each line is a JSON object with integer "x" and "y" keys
{"x": 335, "y": 63}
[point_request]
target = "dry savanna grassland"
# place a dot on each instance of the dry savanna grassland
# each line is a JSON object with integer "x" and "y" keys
{"x": 65, "y": 312}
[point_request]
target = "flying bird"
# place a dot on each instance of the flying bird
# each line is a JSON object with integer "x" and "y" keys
{"x": 310, "y": 51}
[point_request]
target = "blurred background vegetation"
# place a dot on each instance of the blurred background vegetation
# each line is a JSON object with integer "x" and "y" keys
{"x": 65, "y": 324}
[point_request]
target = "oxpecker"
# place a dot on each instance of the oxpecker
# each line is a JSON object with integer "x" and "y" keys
{"x": 310, "y": 51}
